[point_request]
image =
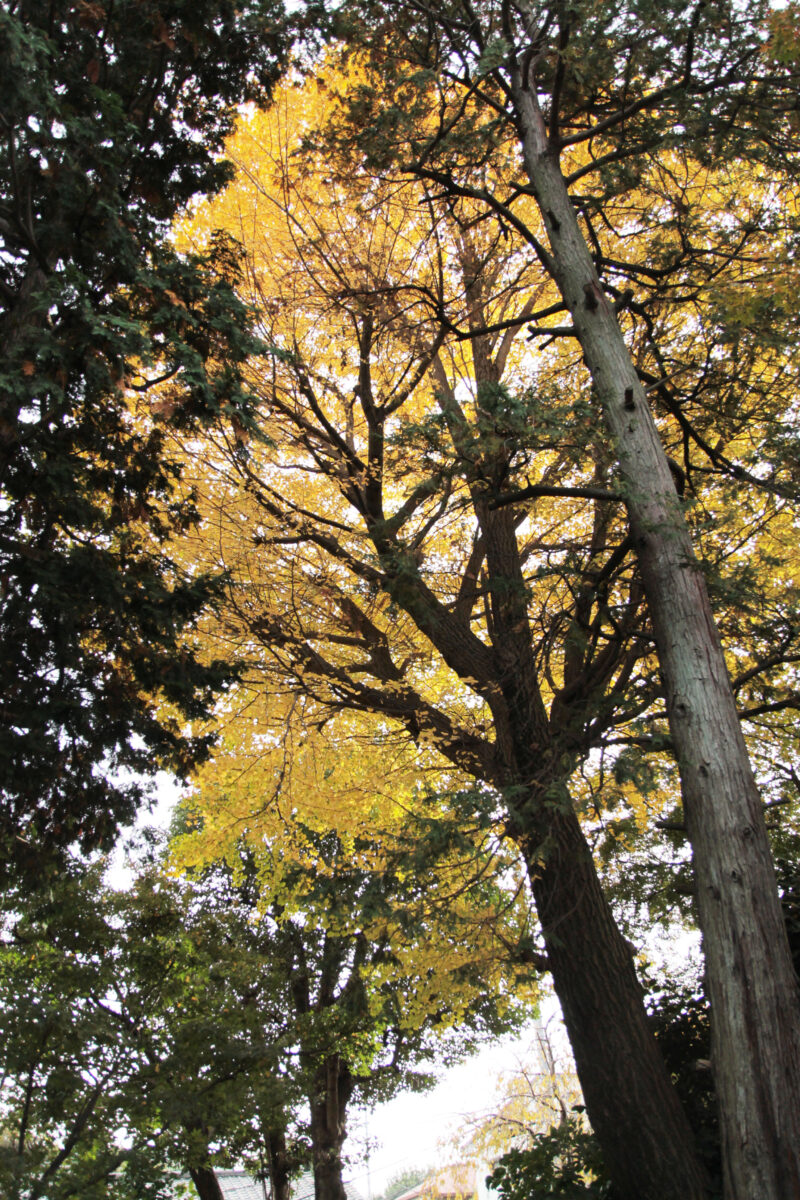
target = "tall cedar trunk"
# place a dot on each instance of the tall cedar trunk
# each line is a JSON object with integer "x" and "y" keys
{"x": 279, "y": 1165}
{"x": 633, "y": 1107}
{"x": 332, "y": 1089}
{"x": 750, "y": 978}
{"x": 206, "y": 1183}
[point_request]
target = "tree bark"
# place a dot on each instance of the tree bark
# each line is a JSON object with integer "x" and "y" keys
{"x": 647, "y": 1142}
{"x": 333, "y": 1087}
{"x": 279, "y": 1165}
{"x": 646, "y": 1139}
{"x": 206, "y": 1183}
{"x": 751, "y": 982}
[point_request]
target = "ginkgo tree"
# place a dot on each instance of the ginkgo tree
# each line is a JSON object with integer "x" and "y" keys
{"x": 580, "y": 99}
{"x": 430, "y": 533}
{"x": 531, "y": 1134}
{"x": 540, "y": 1091}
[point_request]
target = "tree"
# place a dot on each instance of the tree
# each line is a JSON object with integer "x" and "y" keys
{"x": 542, "y": 1091}
{"x": 563, "y": 1162}
{"x": 403, "y": 1182}
{"x": 385, "y": 970}
{"x": 589, "y": 96}
{"x": 372, "y": 572}
{"x": 113, "y": 115}
{"x": 127, "y": 1051}
{"x": 533, "y": 1134}
{"x": 188, "y": 1024}
{"x": 206, "y": 997}
{"x": 563, "y": 1157}
{"x": 68, "y": 1077}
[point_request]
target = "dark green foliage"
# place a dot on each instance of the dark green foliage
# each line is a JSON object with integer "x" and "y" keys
{"x": 716, "y": 84}
{"x": 113, "y": 116}
{"x": 70, "y": 1070}
{"x": 556, "y": 1164}
{"x": 789, "y": 884}
{"x": 126, "y": 1037}
{"x": 332, "y": 933}
{"x": 183, "y": 1024}
{"x": 680, "y": 1017}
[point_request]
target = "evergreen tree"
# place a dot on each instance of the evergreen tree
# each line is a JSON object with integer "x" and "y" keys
{"x": 113, "y": 116}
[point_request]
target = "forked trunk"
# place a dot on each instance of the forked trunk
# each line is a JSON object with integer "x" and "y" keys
{"x": 750, "y": 977}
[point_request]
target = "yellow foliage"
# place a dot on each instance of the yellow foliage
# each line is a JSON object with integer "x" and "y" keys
{"x": 400, "y": 396}
{"x": 540, "y": 1092}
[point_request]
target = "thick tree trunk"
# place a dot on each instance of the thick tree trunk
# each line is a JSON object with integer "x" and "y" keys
{"x": 647, "y": 1142}
{"x": 751, "y": 981}
{"x": 328, "y": 1102}
{"x": 206, "y": 1183}
{"x": 633, "y": 1107}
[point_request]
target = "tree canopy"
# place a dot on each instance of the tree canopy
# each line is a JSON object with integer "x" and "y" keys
{"x": 453, "y": 445}
{"x": 195, "y": 1022}
{"x": 711, "y": 77}
{"x": 116, "y": 1055}
{"x": 114, "y": 116}
{"x": 376, "y": 576}
{"x": 437, "y": 533}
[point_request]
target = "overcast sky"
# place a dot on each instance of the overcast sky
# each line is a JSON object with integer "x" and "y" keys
{"x": 414, "y": 1130}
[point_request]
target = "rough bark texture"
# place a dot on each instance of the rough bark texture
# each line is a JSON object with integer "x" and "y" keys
{"x": 750, "y": 978}
{"x": 646, "y": 1139}
{"x": 333, "y": 1087}
{"x": 632, "y": 1105}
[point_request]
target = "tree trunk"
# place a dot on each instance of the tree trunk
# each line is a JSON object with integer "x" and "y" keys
{"x": 206, "y": 1183}
{"x": 646, "y": 1139}
{"x": 647, "y": 1143}
{"x": 332, "y": 1090}
{"x": 279, "y": 1165}
{"x": 750, "y": 978}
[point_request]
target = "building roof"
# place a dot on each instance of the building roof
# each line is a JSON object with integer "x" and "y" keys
{"x": 456, "y": 1182}
{"x": 241, "y": 1185}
